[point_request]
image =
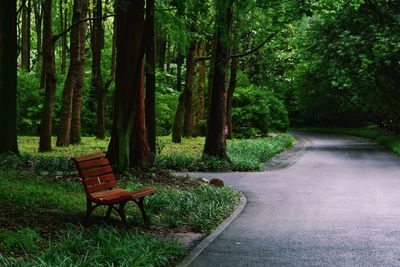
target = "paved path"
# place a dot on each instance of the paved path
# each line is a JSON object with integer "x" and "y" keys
{"x": 337, "y": 205}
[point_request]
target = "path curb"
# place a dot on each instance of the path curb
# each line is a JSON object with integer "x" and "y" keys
{"x": 214, "y": 234}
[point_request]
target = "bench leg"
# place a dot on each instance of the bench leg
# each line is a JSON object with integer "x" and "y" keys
{"x": 121, "y": 211}
{"x": 89, "y": 210}
{"x": 140, "y": 203}
{"x": 109, "y": 210}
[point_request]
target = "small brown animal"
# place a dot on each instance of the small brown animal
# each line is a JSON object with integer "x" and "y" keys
{"x": 217, "y": 182}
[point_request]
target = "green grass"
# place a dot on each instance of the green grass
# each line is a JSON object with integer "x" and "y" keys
{"x": 389, "y": 140}
{"x": 244, "y": 154}
{"x": 40, "y": 221}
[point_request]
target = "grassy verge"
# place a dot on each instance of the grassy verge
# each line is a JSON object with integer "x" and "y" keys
{"x": 245, "y": 155}
{"x": 39, "y": 222}
{"x": 389, "y": 140}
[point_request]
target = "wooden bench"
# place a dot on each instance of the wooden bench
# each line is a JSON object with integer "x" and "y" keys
{"x": 100, "y": 187}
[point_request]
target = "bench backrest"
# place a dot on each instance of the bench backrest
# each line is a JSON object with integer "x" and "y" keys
{"x": 96, "y": 172}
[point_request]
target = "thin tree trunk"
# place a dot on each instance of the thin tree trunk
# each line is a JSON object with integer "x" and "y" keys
{"x": 8, "y": 77}
{"x": 64, "y": 131}
{"x": 78, "y": 90}
{"x": 231, "y": 90}
{"x": 189, "y": 87}
{"x": 178, "y": 121}
{"x": 26, "y": 36}
{"x": 63, "y": 18}
{"x": 202, "y": 69}
{"x": 150, "y": 77}
{"x": 38, "y": 10}
{"x": 97, "y": 39}
{"x": 215, "y": 144}
{"x": 50, "y": 78}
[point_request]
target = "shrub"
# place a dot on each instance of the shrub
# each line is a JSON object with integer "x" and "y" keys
{"x": 256, "y": 111}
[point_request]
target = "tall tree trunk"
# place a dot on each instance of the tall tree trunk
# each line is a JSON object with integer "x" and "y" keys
{"x": 231, "y": 90}
{"x": 202, "y": 70}
{"x": 189, "y": 87}
{"x": 63, "y": 18}
{"x": 38, "y": 10}
{"x": 161, "y": 47}
{"x": 215, "y": 144}
{"x": 78, "y": 90}
{"x": 8, "y": 77}
{"x": 124, "y": 150}
{"x": 178, "y": 121}
{"x": 72, "y": 82}
{"x": 150, "y": 76}
{"x": 50, "y": 78}
{"x": 97, "y": 40}
{"x": 97, "y": 43}
{"x": 26, "y": 36}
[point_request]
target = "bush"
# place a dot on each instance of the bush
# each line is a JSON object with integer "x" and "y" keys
{"x": 256, "y": 111}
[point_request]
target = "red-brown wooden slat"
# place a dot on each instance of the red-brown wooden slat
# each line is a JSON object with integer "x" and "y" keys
{"x": 97, "y": 155}
{"x": 100, "y": 187}
{"x": 96, "y": 172}
{"x": 93, "y": 163}
{"x": 98, "y": 180}
{"x": 142, "y": 192}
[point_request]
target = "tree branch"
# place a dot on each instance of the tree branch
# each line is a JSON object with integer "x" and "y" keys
{"x": 255, "y": 49}
{"x": 57, "y": 36}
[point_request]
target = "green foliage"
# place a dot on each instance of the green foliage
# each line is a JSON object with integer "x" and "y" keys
{"x": 23, "y": 239}
{"x": 100, "y": 246}
{"x": 348, "y": 64}
{"x": 245, "y": 154}
{"x": 253, "y": 153}
{"x": 256, "y": 111}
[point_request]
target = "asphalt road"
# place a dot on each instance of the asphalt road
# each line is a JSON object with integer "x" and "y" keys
{"x": 335, "y": 201}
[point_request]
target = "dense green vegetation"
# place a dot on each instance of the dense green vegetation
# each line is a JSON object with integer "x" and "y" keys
{"x": 40, "y": 215}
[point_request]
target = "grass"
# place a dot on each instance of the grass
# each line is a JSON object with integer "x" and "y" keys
{"x": 387, "y": 139}
{"x": 244, "y": 154}
{"x": 39, "y": 218}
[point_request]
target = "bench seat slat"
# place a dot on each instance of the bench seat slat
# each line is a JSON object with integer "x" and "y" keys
{"x": 101, "y": 187}
{"x": 97, "y": 155}
{"x": 96, "y": 172}
{"x": 98, "y": 180}
{"x": 93, "y": 163}
{"x": 117, "y": 195}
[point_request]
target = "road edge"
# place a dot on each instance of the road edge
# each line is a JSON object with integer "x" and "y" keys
{"x": 214, "y": 234}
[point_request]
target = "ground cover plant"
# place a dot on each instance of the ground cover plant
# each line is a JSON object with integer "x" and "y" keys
{"x": 245, "y": 154}
{"x": 40, "y": 221}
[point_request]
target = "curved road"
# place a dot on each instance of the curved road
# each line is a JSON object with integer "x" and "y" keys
{"x": 336, "y": 203}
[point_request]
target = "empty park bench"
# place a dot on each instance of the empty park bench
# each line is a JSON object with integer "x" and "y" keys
{"x": 101, "y": 189}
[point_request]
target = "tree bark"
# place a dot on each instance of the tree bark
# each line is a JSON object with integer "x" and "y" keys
{"x": 50, "y": 78}
{"x": 161, "y": 47}
{"x": 74, "y": 74}
{"x": 8, "y": 77}
{"x": 215, "y": 144}
{"x": 75, "y": 137}
{"x": 26, "y": 36}
{"x": 150, "y": 77}
{"x": 38, "y": 10}
{"x": 128, "y": 148}
{"x": 231, "y": 90}
{"x": 178, "y": 121}
{"x": 63, "y": 19}
{"x": 202, "y": 70}
{"x": 189, "y": 87}
{"x": 97, "y": 40}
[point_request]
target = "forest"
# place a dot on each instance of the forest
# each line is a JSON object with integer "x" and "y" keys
{"x": 139, "y": 78}
{"x": 190, "y": 68}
